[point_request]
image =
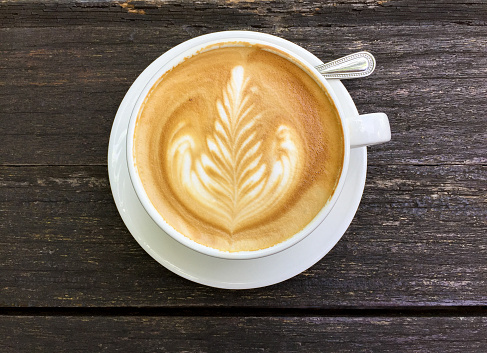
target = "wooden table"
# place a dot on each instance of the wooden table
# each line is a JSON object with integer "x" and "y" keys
{"x": 408, "y": 275}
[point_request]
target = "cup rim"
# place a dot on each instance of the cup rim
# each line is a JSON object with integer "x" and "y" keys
{"x": 137, "y": 183}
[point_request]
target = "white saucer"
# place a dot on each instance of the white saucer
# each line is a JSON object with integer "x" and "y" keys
{"x": 222, "y": 273}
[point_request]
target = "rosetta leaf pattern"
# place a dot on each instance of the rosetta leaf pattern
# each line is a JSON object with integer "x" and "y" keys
{"x": 233, "y": 183}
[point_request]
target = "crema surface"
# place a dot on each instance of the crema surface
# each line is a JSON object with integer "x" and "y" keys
{"x": 238, "y": 148}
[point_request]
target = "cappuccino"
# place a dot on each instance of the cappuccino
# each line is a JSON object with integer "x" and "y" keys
{"x": 239, "y": 147}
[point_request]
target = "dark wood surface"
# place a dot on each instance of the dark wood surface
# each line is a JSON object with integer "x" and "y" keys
{"x": 410, "y": 274}
{"x": 243, "y": 334}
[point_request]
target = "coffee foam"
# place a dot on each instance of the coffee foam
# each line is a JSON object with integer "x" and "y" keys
{"x": 238, "y": 148}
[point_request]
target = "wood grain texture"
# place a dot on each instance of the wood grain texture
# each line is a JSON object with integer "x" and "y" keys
{"x": 242, "y": 334}
{"x": 222, "y": 14}
{"x": 418, "y": 239}
{"x": 61, "y": 88}
{"x": 410, "y": 274}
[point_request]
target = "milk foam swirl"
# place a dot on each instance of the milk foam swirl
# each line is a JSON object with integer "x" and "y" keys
{"x": 238, "y": 148}
{"x": 233, "y": 176}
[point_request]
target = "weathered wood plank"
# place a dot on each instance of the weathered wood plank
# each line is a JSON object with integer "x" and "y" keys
{"x": 61, "y": 88}
{"x": 417, "y": 239}
{"x": 242, "y": 334}
{"x": 221, "y": 14}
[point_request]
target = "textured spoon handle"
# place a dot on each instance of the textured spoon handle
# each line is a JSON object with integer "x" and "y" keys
{"x": 355, "y": 65}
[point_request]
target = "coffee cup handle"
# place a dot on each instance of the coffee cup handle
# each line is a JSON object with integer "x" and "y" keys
{"x": 369, "y": 129}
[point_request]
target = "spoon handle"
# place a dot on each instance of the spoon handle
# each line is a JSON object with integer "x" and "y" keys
{"x": 355, "y": 65}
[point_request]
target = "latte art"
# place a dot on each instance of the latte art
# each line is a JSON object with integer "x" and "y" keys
{"x": 232, "y": 178}
{"x": 238, "y": 148}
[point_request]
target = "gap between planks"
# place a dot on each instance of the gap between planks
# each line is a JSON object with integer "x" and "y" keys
{"x": 404, "y": 311}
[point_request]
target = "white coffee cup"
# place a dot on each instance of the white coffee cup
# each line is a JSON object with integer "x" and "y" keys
{"x": 358, "y": 131}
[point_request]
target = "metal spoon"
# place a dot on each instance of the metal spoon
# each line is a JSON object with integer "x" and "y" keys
{"x": 355, "y": 65}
